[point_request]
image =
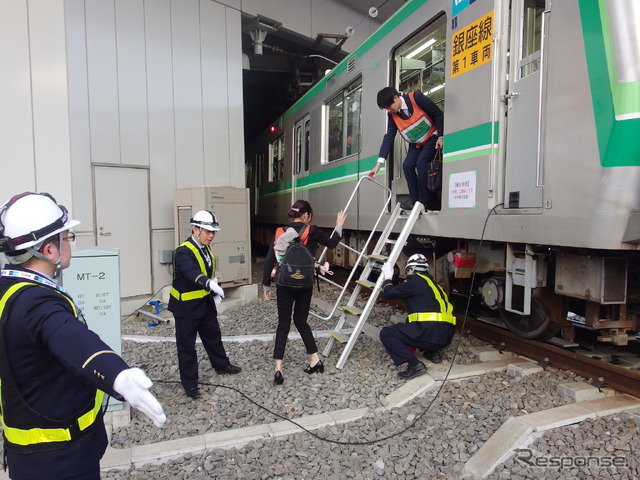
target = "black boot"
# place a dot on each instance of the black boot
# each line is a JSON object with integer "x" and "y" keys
{"x": 433, "y": 357}
{"x": 411, "y": 372}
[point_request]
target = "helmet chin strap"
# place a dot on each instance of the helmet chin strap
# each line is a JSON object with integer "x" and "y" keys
{"x": 37, "y": 254}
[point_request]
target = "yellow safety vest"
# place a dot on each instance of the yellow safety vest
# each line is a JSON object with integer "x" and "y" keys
{"x": 33, "y": 436}
{"x": 195, "y": 294}
{"x": 446, "y": 309}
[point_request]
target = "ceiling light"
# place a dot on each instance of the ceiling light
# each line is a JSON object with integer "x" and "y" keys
{"x": 421, "y": 48}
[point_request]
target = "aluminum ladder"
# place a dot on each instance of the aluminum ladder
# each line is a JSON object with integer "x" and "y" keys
{"x": 351, "y": 309}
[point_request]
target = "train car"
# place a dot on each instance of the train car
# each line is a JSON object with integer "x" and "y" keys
{"x": 540, "y": 215}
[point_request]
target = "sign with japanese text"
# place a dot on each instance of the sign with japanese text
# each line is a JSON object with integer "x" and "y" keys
{"x": 462, "y": 190}
{"x": 472, "y": 46}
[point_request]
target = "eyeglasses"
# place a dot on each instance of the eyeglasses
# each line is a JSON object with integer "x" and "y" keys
{"x": 71, "y": 238}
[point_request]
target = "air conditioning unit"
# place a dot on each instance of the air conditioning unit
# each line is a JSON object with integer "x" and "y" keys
{"x": 231, "y": 245}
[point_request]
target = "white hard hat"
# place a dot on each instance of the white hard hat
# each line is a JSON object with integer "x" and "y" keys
{"x": 205, "y": 219}
{"x": 29, "y": 218}
{"x": 417, "y": 262}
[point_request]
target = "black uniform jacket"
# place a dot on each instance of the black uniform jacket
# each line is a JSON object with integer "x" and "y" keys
{"x": 316, "y": 237}
{"x": 419, "y": 298}
{"x": 188, "y": 277}
{"x": 56, "y": 360}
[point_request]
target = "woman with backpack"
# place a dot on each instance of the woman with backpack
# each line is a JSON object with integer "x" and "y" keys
{"x": 296, "y": 298}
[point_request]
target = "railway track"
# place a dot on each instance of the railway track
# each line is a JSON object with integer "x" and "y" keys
{"x": 603, "y": 373}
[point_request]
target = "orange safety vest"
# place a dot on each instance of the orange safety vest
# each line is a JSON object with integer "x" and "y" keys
{"x": 418, "y": 128}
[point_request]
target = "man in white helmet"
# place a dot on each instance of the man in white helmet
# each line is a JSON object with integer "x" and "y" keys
{"x": 430, "y": 324}
{"x": 194, "y": 295}
{"x": 53, "y": 369}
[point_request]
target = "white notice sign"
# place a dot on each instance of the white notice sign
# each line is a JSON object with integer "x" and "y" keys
{"x": 462, "y": 190}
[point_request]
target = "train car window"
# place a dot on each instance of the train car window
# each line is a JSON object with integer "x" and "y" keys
{"x": 307, "y": 137}
{"x": 343, "y": 122}
{"x": 420, "y": 61}
{"x": 530, "y": 41}
{"x": 301, "y": 146}
{"x": 276, "y": 159}
{"x": 297, "y": 159}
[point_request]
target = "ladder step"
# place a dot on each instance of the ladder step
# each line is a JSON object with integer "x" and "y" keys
{"x": 392, "y": 241}
{"x": 378, "y": 257}
{"x": 340, "y": 336}
{"x": 352, "y": 309}
{"x": 366, "y": 283}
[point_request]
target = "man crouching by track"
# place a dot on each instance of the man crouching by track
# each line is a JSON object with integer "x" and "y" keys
{"x": 430, "y": 324}
{"x": 54, "y": 370}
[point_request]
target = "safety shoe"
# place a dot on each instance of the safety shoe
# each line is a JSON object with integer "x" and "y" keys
{"x": 193, "y": 393}
{"x": 433, "y": 357}
{"x": 412, "y": 372}
{"x": 229, "y": 370}
{"x": 408, "y": 205}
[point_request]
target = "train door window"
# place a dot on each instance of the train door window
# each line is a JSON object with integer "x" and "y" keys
{"x": 276, "y": 159}
{"x": 301, "y": 146}
{"x": 307, "y": 138}
{"x": 420, "y": 61}
{"x": 298, "y": 154}
{"x": 531, "y": 38}
{"x": 342, "y": 113}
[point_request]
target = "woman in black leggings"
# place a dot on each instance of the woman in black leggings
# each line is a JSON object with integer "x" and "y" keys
{"x": 298, "y": 302}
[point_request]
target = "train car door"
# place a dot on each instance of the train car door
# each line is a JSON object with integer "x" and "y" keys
{"x": 300, "y": 164}
{"x": 524, "y": 153}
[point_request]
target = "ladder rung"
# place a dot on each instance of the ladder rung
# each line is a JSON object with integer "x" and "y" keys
{"x": 340, "y": 336}
{"x": 352, "y": 309}
{"x": 391, "y": 240}
{"x": 378, "y": 258}
{"x": 366, "y": 283}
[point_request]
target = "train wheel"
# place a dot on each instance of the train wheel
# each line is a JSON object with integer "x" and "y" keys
{"x": 537, "y": 326}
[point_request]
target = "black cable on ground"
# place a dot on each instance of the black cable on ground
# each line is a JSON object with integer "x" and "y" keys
{"x": 418, "y": 417}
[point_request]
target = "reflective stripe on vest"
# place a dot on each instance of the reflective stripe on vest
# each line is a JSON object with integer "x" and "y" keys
{"x": 34, "y": 436}
{"x": 195, "y": 294}
{"x": 446, "y": 309}
{"x": 418, "y": 128}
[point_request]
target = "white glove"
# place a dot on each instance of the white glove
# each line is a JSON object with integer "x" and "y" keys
{"x": 324, "y": 269}
{"x": 215, "y": 288}
{"x": 217, "y": 299}
{"x": 134, "y": 386}
{"x": 387, "y": 270}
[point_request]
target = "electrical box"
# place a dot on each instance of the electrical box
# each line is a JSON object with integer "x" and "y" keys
{"x": 231, "y": 245}
{"x": 93, "y": 281}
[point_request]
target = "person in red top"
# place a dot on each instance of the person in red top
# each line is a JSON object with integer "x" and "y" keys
{"x": 421, "y": 124}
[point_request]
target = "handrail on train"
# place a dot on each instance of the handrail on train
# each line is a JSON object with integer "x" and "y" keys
{"x": 361, "y": 253}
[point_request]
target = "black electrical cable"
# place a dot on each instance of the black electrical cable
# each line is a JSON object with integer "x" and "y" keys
{"x": 419, "y": 416}
{"x": 140, "y": 307}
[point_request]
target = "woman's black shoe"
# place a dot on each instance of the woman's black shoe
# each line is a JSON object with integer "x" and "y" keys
{"x": 278, "y": 379}
{"x": 318, "y": 367}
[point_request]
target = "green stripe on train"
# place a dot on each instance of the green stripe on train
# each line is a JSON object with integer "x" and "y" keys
{"x": 393, "y": 22}
{"x": 618, "y": 140}
{"x": 469, "y": 143}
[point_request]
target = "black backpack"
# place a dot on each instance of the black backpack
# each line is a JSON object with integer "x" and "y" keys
{"x": 297, "y": 268}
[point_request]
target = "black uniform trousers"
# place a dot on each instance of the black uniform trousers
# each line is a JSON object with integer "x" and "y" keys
{"x": 426, "y": 336}
{"x": 209, "y": 330}
{"x": 297, "y": 302}
{"x": 416, "y": 169}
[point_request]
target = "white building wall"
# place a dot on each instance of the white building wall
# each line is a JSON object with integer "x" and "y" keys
{"x": 151, "y": 84}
